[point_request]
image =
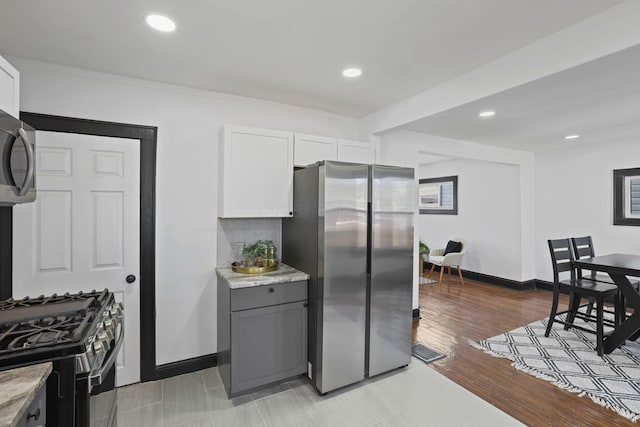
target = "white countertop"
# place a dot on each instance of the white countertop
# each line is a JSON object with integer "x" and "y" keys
{"x": 283, "y": 274}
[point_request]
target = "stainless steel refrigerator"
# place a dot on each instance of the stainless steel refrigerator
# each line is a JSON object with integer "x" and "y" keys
{"x": 352, "y": 231}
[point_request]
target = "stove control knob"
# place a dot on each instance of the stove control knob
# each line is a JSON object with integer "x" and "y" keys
{"x": 106, "y": 344}
{"x": 108, "y": 330}
{"x": 105, "y": 335}
{"x": 115, "y": 312}
{"x": 117, "y": 321}
{"x": 111, "y": 334}
{"x": 99, "y": 347}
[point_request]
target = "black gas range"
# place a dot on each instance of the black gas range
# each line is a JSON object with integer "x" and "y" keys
{"x": 81, "y": 334}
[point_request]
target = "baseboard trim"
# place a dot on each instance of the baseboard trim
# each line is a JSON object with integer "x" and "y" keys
{"x": 494, "y": 280}
{"x": 186, "y": 366}
{"x": 416, "y": 313}
{"x": 543, "y": 284}
{"x": 500, "y": 281}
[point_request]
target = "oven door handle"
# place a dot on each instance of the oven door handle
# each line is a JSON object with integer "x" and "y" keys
{"x": 99, "y": 376}
{"x": 28, "y": 148}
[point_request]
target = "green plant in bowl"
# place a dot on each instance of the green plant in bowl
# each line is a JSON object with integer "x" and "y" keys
{"x": 260, "y": 251}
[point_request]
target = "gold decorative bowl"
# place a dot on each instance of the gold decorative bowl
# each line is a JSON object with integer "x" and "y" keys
{"x": 264, "y": 266}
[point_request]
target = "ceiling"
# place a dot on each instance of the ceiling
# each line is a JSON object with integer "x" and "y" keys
{"x": 292, "y": 51}
{"x": 599, "y": 100}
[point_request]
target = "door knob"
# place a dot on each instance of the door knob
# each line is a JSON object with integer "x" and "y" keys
{"x": 131, "y": 278}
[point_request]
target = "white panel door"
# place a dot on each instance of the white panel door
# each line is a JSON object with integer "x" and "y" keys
{"x": 83, "y": 231}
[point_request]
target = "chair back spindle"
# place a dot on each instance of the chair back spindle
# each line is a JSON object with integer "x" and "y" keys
{"x": 583, "y": 248}
{"x": 561, "y": 258}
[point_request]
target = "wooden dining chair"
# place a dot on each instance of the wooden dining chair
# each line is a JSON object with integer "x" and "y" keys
{"x": 562, "y": 261}
{"x": 583, "y": 248}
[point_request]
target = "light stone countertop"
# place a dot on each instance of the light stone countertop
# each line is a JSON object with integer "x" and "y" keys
{"x": 283, "y": 274}
{"x": 18, "y": 388}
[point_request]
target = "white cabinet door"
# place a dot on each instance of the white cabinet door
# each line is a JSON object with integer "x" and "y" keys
{"x": 9, "y": 88}
{"x": 255, "y": 173}
{"x": 356, "y": 152}
{"x": 310, "y": 149}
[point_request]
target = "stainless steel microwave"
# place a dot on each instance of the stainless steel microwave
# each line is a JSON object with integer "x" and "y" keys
{"x": 17, "y": 161}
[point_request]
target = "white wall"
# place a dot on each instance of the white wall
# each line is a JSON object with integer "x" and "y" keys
{"x": 488, "y": 216}
{"x": 562, "y": 193}
{"x": 574, "y": 197}
{"x": 403, "y": 148}
{"x": 188, "y": 122}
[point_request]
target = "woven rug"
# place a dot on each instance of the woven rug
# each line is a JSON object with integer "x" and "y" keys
{"x": 425, "y": 281}
{"x": 568, "y": 360}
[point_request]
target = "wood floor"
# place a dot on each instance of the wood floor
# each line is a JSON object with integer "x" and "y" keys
{"x": 452, "y": 313}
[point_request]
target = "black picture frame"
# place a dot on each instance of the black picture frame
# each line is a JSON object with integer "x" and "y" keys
{"x": 436, "y": 182}
{"x": 619, "y": 215}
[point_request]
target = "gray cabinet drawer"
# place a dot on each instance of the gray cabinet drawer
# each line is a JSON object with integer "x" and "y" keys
{"x": 266, "y": 295}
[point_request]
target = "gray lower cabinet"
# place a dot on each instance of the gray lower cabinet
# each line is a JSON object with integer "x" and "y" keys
{"x": 262, "y": 334}
{"x": 36, "y": 413}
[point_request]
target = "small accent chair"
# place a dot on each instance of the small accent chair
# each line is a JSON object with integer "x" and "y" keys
{"x": 562, "y": 261}
{"x": 453, "y": 259}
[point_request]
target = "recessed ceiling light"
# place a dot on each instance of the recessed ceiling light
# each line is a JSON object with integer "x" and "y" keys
{"x": 487, "y": 114}
{"x": 574, "y": 136}
{"x": 352, "y": 72}
{"x": 160, "y": 23}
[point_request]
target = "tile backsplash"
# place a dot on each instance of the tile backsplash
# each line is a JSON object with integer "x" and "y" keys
{"x": 248, "y": 230}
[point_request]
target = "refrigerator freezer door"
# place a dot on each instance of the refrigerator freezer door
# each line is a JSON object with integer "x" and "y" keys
{"x": 343, "y": 283}
{"x": 392, "y": 211}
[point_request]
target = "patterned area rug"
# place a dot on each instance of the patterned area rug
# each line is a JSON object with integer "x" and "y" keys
{"x": 568, "y": 360}
{"x": 425, "y": 281}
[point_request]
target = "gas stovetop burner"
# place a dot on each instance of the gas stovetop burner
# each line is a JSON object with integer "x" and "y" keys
{"x": 51, "y": 326}
{"x": 45, "y": 338}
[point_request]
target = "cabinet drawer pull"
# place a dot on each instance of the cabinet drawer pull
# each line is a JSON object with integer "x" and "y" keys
{"x": 35, "y": 415}
{"x": 306, "y": 304}
{"x": 272, "y": 290}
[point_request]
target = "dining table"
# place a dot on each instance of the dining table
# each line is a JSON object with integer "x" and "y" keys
{"x": 619, "y": 267}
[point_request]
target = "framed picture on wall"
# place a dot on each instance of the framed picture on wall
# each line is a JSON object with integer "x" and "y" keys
{"x": 438, "y": 195}
{"x": 626, "y": 196}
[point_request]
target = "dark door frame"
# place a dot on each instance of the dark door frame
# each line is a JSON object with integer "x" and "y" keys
{"x": 148, "y": 136}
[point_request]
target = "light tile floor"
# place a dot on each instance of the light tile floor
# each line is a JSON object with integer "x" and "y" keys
{"x": 412, "y": 396}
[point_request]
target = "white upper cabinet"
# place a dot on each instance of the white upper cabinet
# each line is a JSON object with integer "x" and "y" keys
{"x": 9, "y": 88}
{"x": 255, "y": 173}
{"x": 356, "y": 152}
{"x": 310, "y": 149}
